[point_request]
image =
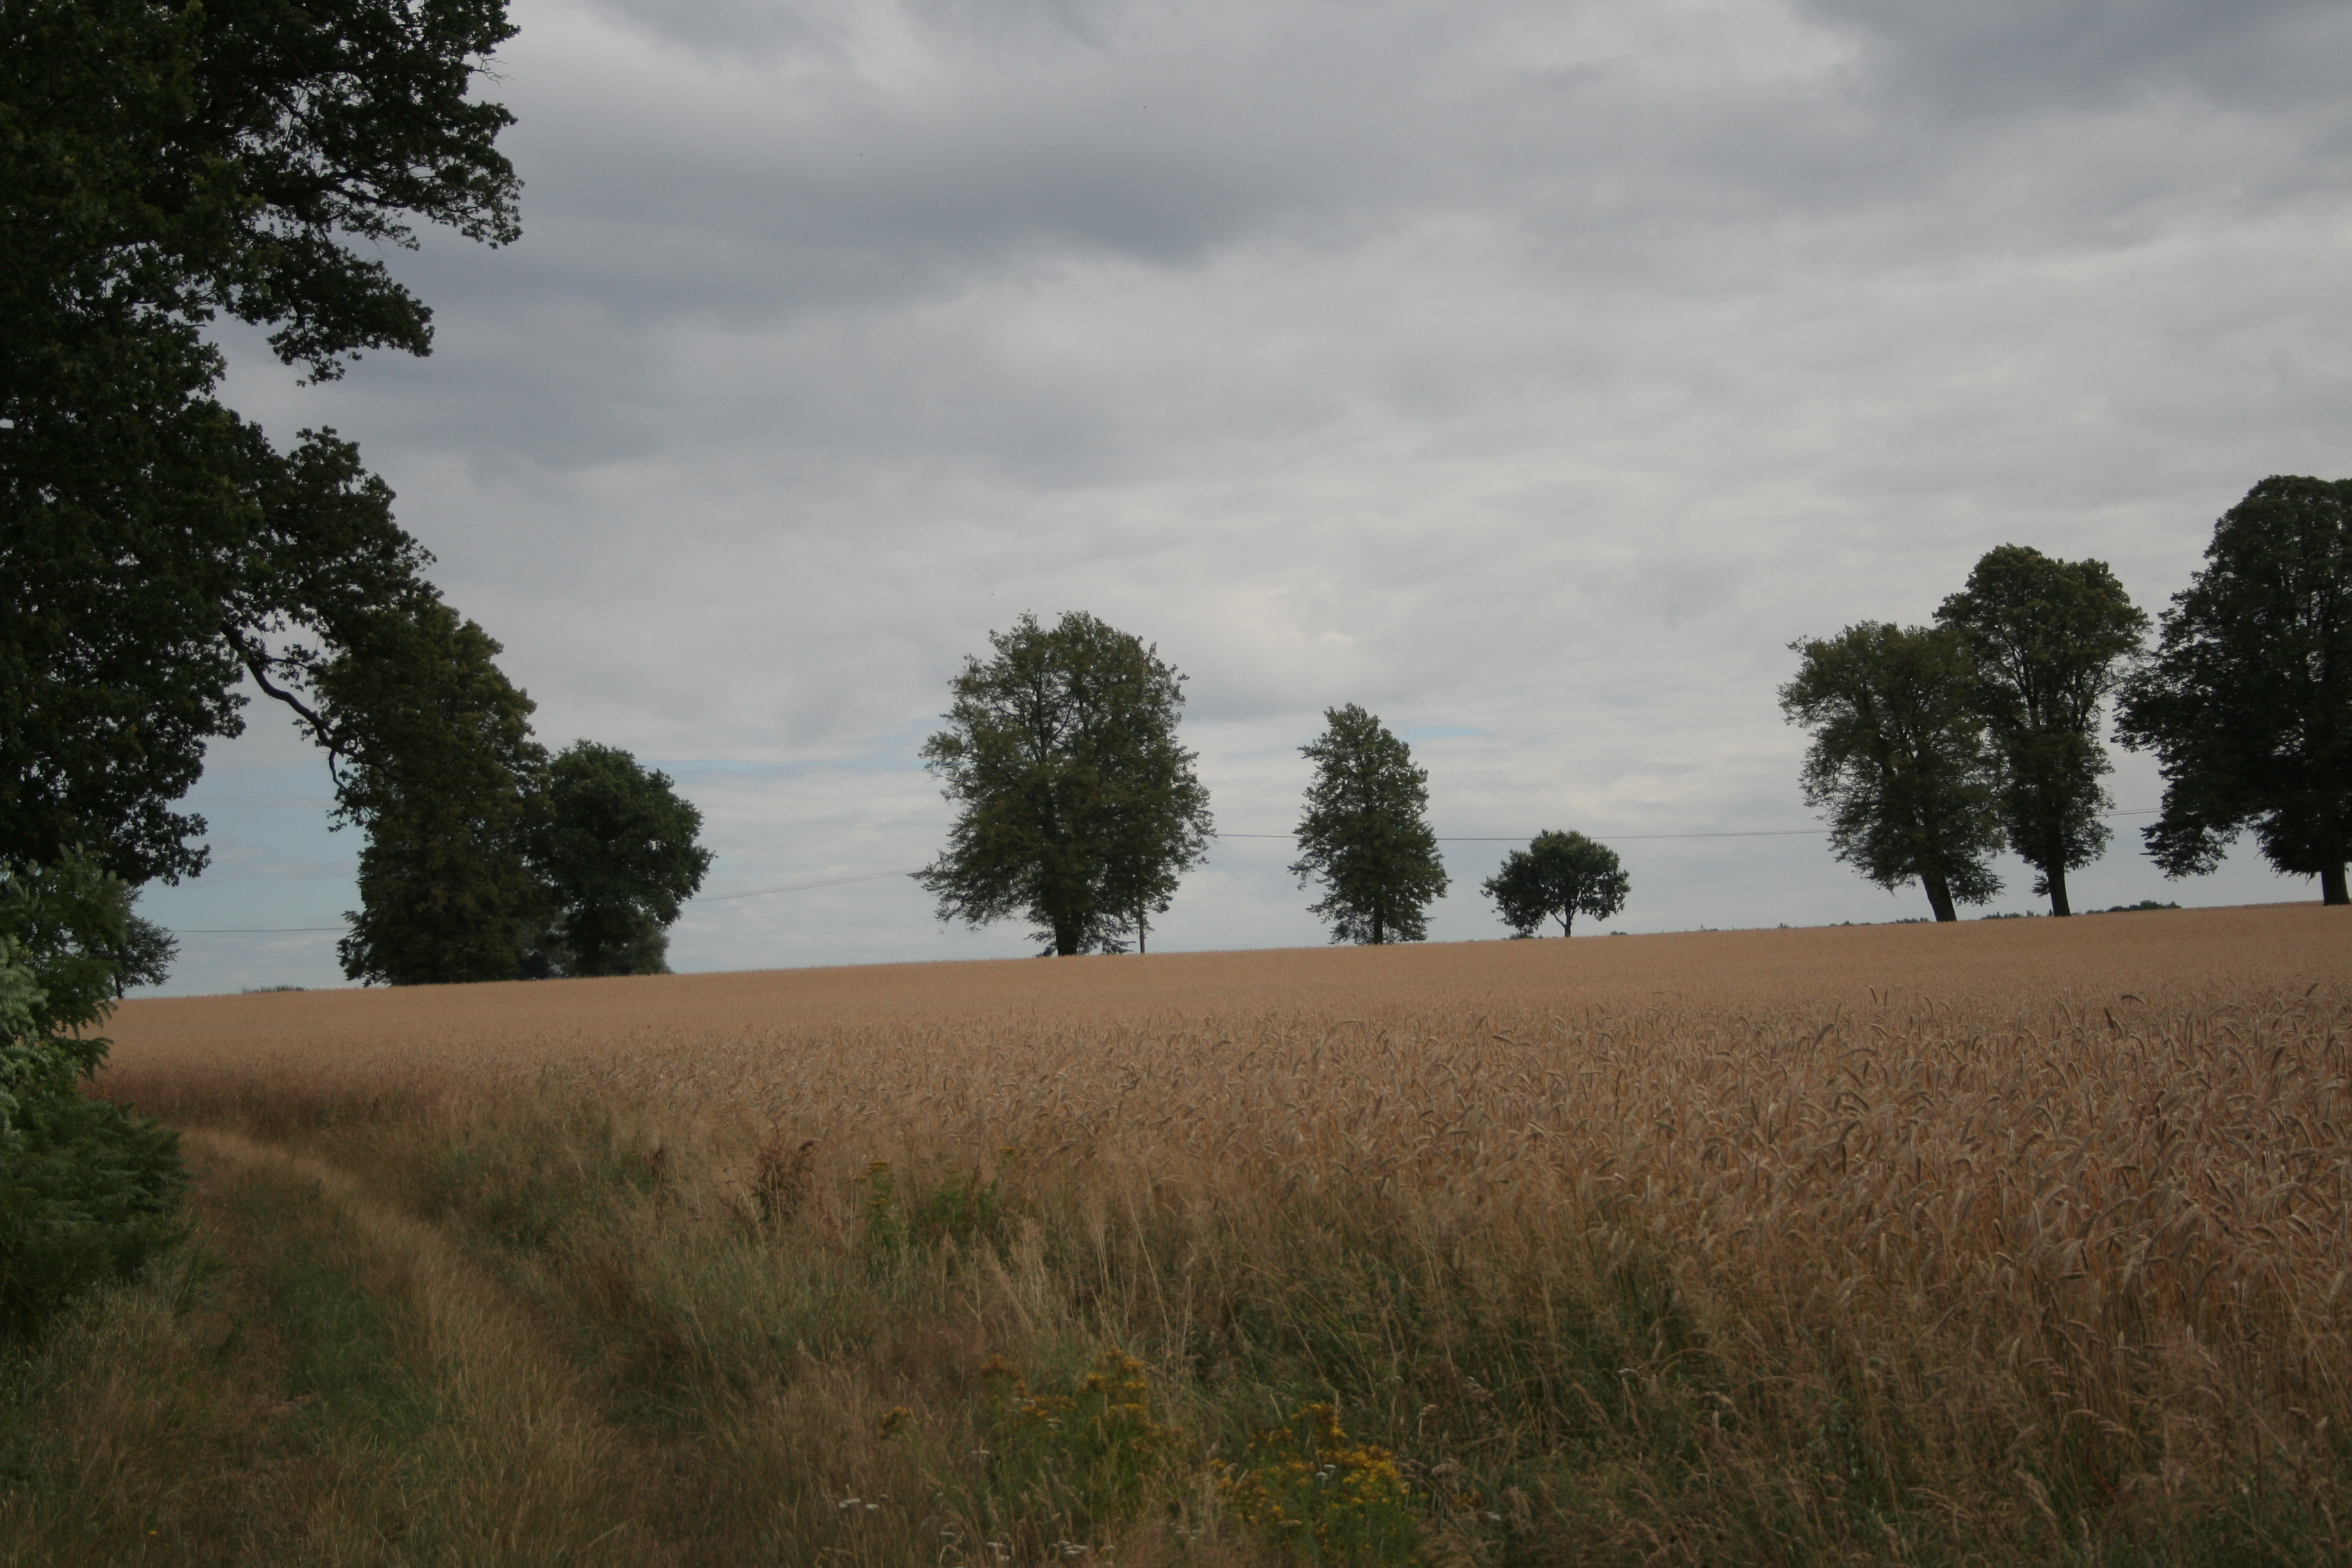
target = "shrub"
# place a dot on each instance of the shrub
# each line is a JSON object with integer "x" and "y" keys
{"x": 88, "y": 1192}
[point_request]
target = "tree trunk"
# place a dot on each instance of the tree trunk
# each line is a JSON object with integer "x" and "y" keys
{"x": 1065, "y": 938}
{"x": 1567, "y": 916}
{"x": 2331, "y": 886}
{"x": 2056, "y": 877}
{"x": 1379, "y": 931}
{"x": 1141, "y": 926}
{"x": 1939, "y": 898}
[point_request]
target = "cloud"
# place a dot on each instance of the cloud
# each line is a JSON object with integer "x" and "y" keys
{"x": 1535, "y": 371}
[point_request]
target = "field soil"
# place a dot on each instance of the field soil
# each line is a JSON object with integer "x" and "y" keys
{"x": 2005, "y": 1241}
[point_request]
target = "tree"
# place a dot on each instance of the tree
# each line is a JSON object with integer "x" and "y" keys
{"x": 145, "y": 952}
{"x": 2047, "y": 638}
{"x": 616, "y": 847}
{"x": 1898, "y": 758}
{"x": 2247, "y": 702}
{"x": 1365, "y": 832}
{"x": 88, "y": 1192}
{"x": 1559, "y": 876}
{"x": 159, "y": 166}
{"x": 1078, "y": 807}
{"x": 439, "y": 768}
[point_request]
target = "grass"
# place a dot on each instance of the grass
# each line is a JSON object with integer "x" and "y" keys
{"x": 2018, "y": 1241}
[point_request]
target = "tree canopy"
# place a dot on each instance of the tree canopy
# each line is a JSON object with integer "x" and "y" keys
{"x": 159, "y": 166}
{"x": 439, "y": 768}
{"x": 1899, "y": 760}
{"x": 1559, "y": 876}
{"x": 484, "y": 859}
{"x": 1077, "y": 808}
{"x": 2049, "y": 639}
{"x": 615, "y": 848}
{"x": 2247, "y": 702}
{"x": 1365, "y": 833}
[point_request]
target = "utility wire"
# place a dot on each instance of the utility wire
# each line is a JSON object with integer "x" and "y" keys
{"x": 802, "y": 886}
{"x": 883, "y": 876}
{"x": 1631, "y": 837}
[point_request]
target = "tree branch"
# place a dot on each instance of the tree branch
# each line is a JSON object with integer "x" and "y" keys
{"x": 257, "y": 663}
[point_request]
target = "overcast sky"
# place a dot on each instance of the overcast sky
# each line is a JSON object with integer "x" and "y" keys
{"x": 1528, "y": 373}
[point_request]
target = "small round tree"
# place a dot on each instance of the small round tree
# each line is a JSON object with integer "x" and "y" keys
{"x": 1558, "y": 877}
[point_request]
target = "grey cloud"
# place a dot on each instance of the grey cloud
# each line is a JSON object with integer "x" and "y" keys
{"x": 1996, "y": 57}
{"x": 1539, "y": 371}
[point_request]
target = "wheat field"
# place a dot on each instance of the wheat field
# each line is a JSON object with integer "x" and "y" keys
{"x": 2022, "y": 1241}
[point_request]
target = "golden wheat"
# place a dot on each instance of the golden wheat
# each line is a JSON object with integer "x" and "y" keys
{"x": 1992, "y": 1191}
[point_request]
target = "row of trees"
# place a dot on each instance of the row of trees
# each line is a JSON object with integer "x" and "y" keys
{"x": 1933, "y": 748}
{"x": 1079, "y": 810}
{"x": 1936, "y": 746}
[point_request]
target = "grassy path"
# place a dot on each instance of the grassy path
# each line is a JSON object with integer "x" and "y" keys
{"x": 319, "y": 1379}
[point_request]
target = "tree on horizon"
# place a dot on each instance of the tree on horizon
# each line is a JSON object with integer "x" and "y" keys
{"x": 1899, "y": 761}
{"x": 1365, "y": 833}
{"x": 2047, "y": 638}
{"x": 1079, "y": 808}
{"x": 2247, "y": 701}
{"x": 1559, "y": 876}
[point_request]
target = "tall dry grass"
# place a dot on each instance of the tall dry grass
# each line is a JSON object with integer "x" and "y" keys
{"x": 2004, "y": 1242}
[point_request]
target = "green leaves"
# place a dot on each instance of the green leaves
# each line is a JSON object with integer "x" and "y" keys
{"x": 2247, "y": 701}
{"x": 2049, "y": 639}
{"x": 616, "y": 847}
{"x": 86, "y": 1191}
{"x": 1899, "y": 759}
{"x": 159, "y": 165}
{"x": 1559, "y": 876}
{"x": 446, "y": 778}
{"x": 1078, "y": 808}
{"x": 1365, "y": 833}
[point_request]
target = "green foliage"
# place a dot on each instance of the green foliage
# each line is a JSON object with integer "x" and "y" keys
{"x": 616, "y": 847}
{"x": 1559, "y": 876}
{"x": 1078, "y": 807}
{"x": 2047, "y": 638}
{"x": 966, "y": 1208}
{"x": 87, "y": 1191}
{"x": 449, "y": 786}
{"x": 2247, "y": 702}
{"x": 145, "y": 954}
{"x": 1899, "y": 760}
{"x": 1365, "y": 833}
{"x": 159, "y": 164}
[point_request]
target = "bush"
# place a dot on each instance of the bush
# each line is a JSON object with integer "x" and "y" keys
{"x": 88, "y": 1192}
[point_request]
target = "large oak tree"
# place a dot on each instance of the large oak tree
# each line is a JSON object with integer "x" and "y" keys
{"x": 161, "y": 165}
{"x": 1899, "y": 760}
{"x": 2049, "y": 639}
{"x": 1077, "y": 806}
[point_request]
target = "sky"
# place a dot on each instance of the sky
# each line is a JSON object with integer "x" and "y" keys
{"x": 1532, "y": 374}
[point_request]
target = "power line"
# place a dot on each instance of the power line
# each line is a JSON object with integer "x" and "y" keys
{"x": 1634, "y": 837}
{"x": 802, "y": 886}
